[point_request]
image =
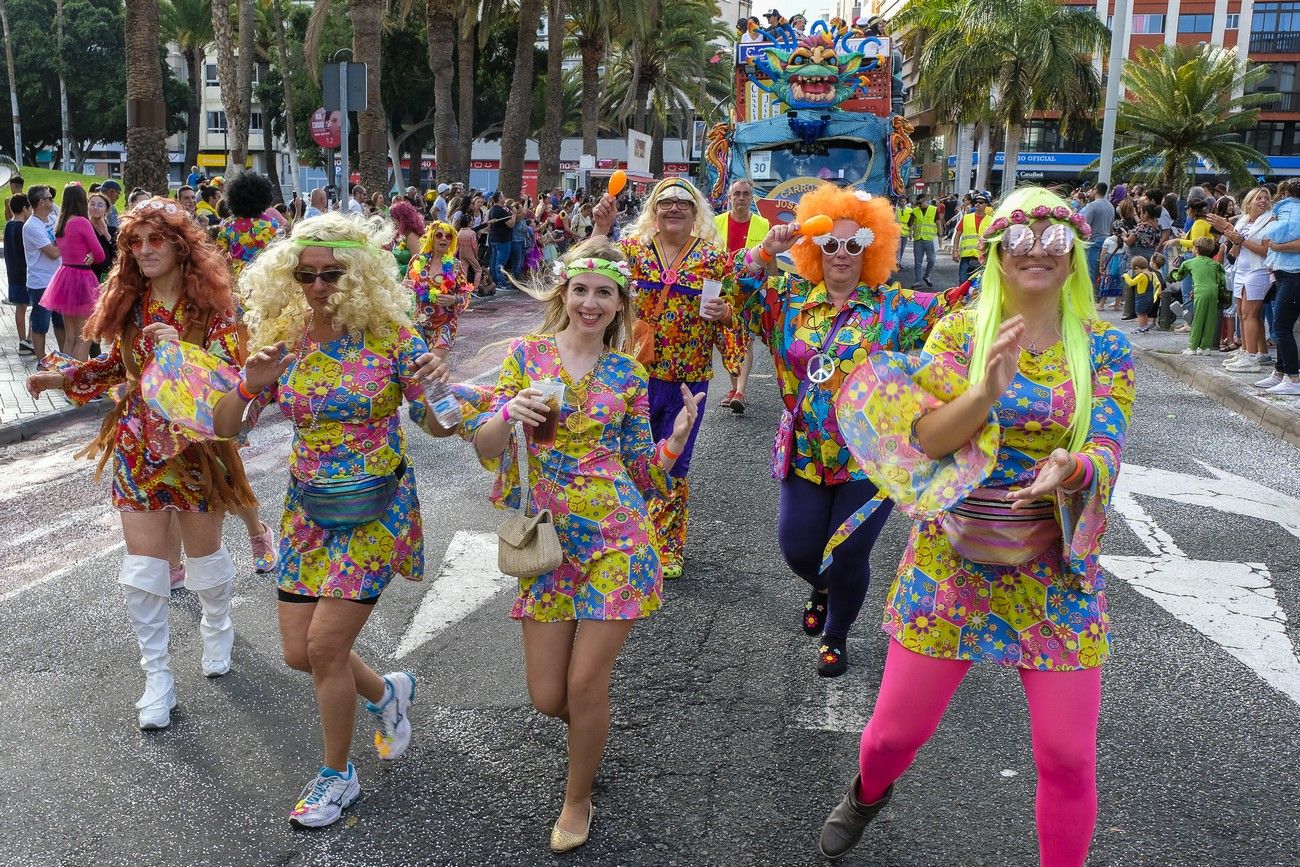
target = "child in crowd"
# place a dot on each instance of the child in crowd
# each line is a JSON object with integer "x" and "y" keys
{"x": 1142, "y": 282}
{"x": 1160, "y": 296}
{"x": 1208, "y": 280}
{"x": 1112, "y": 269}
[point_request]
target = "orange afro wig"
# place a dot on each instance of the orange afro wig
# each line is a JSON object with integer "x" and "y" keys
{"x": 872, "y": 212}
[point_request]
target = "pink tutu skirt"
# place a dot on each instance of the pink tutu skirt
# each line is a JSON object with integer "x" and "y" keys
{"x": 72, "y": 292}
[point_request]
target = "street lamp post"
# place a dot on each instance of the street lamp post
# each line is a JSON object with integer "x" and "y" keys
{"x": 1114, "y": 72}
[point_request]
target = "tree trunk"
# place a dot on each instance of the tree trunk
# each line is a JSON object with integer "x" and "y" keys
{"x": 13, "y": 86}
{"x": 286, "y": 74}
{"x": 965, "y": 134}
{"x": 514, "y": 131}
{"x": 548, "y": 142}
{"x": 592, "y": 57}
{"x": 1011, "y": 149}
{"x": 656, "y": 147}
{"x": 146, "y": 112}
{"x": 238, "y": 125}
{"x": 194, "y": 63}
{"x": 372, "y": 135}
{"x": 440, "y": 32}
{"x": 223, "y": 33}
{"x": 464, "y": 152}
{"x": 269, "y": 157}
{"x": 984, "y": 159}
{"x": 65, "y": 127}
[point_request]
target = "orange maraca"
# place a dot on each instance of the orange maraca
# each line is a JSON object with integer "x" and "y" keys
{"x": 617, "y": 181}
{"x": 817, "y": 225}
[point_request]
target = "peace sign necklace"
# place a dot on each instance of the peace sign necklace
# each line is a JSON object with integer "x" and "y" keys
{"x": 822, "y": 366}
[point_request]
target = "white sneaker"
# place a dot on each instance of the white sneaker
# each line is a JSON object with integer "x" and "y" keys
{"x": 393, "y": 726}
{"x": 325, "y": 798}
{"x": 156, "y": 705}
{"x": 1243, "y": 365}
{"x": 1269, "y": 381}
{"x": 1289, "y": 387}
{"x": 1233, "y": 356}
{"x": 1264, "y": 359}
{"x": 1190, "y": 351}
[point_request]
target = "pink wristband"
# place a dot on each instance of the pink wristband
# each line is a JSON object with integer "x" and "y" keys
{"x": 505, "y": 413}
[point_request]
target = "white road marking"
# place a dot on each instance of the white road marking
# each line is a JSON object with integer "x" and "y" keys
{"x": 467, "y": 580}
{"x": 838, "y": 703}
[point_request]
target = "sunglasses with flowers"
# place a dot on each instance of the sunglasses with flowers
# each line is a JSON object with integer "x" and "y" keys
{"x": 1056, "y": 239}
{"x": 853, "y": 245}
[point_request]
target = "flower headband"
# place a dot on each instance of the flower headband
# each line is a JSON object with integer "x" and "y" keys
{"x": 335, "y": 245}
{"x": 1060, "y": 214}
{"x": 619, "y": 271}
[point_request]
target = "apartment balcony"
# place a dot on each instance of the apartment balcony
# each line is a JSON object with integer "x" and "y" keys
{"x": 1277, "y": 42}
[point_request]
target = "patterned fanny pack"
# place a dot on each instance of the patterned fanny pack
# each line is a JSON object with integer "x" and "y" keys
{"x": 349, "y": 501}
{"x": 983, "y": 528}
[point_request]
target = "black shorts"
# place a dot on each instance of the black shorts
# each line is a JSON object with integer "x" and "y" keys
{"x": 285, "y": 596}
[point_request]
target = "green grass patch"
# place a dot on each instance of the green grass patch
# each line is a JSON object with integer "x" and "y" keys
{"x": 58, "y": 180}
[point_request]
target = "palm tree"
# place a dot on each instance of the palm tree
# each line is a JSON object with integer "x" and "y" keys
{"x": 236, "y": 76}
{"x": 514, "y": 134}
{"x": 287, "y": 75}
{"x": 188, "y": 24}
{"x": 548, "y": 143}
{"x": 667, "y": 72}
{"x": 146, "y": 110}
{"x": 593, "y": 25}
{"x": 441, "y": 34}
{"x": 13, "y": 85}
{"x": 998, "y": 61}
{"x": 65, "y": 126}
{"x": 1188, "y": 103}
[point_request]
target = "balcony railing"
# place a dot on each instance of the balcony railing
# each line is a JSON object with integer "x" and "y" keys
{"x": 1282, "y": 102}
{"x": 1279, "y": 42}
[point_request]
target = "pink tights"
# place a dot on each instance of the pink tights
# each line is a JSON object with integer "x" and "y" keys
{"x": 1063, "y": 711}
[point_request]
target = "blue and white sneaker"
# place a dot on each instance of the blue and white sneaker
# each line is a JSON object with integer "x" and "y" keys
{"x": 325, "y": 798}
{"x": 393, "y": 726}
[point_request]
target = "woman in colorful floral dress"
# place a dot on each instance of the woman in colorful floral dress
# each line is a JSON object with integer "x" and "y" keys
{"x": 248, "y": 231}
{"x": 673, "y": 251}
{"x": 1003, "y": 441}
{"x": 169, "y": 284}
{"x": 596, "y": 480}
{"x": 338, "y": 355}
{"x": 441, "y": 289}
{"x": 820, "y": 323}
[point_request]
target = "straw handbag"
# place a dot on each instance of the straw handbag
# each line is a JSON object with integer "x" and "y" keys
{"x": 528, "y": 544}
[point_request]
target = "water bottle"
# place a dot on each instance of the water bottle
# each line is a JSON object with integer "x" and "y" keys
{"x": 445, "y": 406}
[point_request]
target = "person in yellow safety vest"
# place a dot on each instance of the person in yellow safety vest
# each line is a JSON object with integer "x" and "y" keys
{"x": 966, "y": 252}
{"x": 741, "y": 229}
{"x": 923, "y": 219}
{"x": 903, "y": 214}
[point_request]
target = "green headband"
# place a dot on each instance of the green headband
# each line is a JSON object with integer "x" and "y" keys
{"x": 337, "y": 245}
{"x": 619, "y": 272}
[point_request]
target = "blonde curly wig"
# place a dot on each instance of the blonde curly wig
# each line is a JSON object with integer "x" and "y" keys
{"x": 369, "y": 297}
{"x": 645, "y": 227}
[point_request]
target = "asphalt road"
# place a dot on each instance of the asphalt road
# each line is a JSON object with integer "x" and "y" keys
{"x": 726, "y": 748}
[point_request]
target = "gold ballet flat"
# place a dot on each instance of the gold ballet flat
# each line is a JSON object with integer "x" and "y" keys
{"x": 566, "y": 841}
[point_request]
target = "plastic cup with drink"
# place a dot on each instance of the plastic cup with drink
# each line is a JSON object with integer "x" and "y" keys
{"x": 709, "y": 289}
{"x": 552, "y": 394}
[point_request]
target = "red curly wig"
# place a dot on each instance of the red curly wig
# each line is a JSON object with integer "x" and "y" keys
{"x": 205, "y": 276}
{"x": 874, "y": 213}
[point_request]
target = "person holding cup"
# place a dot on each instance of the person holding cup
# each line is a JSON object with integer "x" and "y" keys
{"x": 820, "y": 322}
{"x": 672, "y": 249}
{"x": 338, "y": 354}
{"x": 596, "y": 478}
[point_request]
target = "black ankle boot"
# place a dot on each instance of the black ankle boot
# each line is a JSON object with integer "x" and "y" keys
{"x": 844, "y": 826}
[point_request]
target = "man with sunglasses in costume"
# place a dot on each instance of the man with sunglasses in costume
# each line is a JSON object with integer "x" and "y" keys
{"x": 821, "y": 322}
{"x": 684, "y": 304}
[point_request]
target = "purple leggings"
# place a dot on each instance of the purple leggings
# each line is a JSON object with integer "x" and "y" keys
{"x": 1063, "y": 711}
{"x": 665, "y": 403}
{"x": 810, "y": 514}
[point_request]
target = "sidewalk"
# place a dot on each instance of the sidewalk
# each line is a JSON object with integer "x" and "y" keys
{"x": 1275, "y": 414}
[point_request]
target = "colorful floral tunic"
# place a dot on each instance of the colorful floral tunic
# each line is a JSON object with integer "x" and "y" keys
{"x": 429, "y": 280}
{"x": 343, "y": 398}
{"x": 242, "y": 238}
{"x": 684, "y": 340}
{"x": 154, "y": 468}
{"x": 794, "y": 318}
{"x": 595, "y": 481}
{"x": 1049, "y": 613}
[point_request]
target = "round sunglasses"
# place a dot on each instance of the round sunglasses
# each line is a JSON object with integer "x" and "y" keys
{"x": 830, "y": 246}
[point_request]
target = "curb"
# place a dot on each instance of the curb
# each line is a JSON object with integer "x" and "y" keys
{"x": 1281, "y": 418}
{"x": 29, "y": 428}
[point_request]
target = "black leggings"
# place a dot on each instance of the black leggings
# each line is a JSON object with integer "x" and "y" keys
{"x": 285, "y": 596}
{"x": 1288, "y": 311}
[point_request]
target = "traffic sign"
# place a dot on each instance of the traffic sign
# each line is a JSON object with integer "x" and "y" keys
{"x": 326, "y": 128}
{"x": 356, "y": 86}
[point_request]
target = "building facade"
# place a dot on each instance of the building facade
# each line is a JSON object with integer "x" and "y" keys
{"x": 1267, "y": 32}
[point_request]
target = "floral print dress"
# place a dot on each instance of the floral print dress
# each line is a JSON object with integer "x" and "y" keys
{"x": 154, "y": 467}
{"x": 595, "y": 481}
{"x": 343, "y": 397}
{"x": 242, "y": 238}
{"x": 1049, "y": 613}
{"x": 429, "y": 278}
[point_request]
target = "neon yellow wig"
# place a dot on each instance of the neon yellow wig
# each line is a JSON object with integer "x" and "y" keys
{"x": 1078, "y": 311}
{"x": 426, "y": 243}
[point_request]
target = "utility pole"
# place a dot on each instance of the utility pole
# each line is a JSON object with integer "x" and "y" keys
{"x": 1114, "y": 72}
